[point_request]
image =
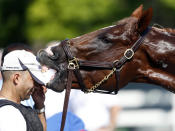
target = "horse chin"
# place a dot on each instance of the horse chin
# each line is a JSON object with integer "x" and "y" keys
{"x": 57, "y": 87}
{"x": 58, "y": 84}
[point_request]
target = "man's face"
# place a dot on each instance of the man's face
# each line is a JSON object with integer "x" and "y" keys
{"x": 26, "y": 85}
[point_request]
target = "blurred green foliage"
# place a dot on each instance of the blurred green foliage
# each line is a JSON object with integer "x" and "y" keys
{"x": 41, "y": 21}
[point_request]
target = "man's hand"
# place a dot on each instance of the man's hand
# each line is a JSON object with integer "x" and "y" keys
{"x": 39, "y": 95}
{"x": 39, "y": 98}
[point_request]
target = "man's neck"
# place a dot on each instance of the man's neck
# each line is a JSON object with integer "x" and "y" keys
{"x": 8, "y": 93}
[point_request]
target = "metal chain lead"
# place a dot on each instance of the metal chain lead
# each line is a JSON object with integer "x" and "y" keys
{"x": 73, "y": 64}
{"x": 92, "y": 89}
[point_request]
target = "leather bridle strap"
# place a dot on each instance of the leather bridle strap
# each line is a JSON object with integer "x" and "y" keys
{"x": 77, "y": 73}
{"x": 129, "y": 53}
{"x": 69, "y": 84}
{"x": 66, "y": 99}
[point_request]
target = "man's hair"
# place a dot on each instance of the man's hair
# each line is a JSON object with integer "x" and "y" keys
{"x": 14, "y": 46}
{"x": 7, "y": 74}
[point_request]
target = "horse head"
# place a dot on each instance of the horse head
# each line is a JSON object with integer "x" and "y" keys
{"x": 151, "y": 63}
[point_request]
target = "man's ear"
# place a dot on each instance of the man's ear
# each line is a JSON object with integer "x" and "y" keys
{"x": 144, "y": 18}
{"x": 16, "y": 77}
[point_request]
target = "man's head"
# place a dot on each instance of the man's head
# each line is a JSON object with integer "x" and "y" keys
{"x": 21, "y": 69}
{"x": 21, "y": 60}
{"x": 19, "y": 82}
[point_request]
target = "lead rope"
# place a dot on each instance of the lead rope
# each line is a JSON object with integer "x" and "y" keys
{"x": 66, "y": 99}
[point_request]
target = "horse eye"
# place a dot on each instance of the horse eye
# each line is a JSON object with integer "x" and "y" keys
{"x": 105, "y": 39}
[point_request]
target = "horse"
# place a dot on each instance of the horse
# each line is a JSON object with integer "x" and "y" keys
{"x": 152, "y": 62}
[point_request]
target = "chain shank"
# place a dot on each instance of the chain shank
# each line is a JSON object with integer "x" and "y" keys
{"x": 92, "y": 89}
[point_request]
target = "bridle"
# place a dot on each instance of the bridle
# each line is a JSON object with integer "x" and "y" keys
{"x": 74, "y": 66}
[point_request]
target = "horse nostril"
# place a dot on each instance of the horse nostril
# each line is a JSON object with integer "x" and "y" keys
{"x": 39, "y": 55}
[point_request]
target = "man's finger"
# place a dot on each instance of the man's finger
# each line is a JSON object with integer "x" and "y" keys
{"x": 44, "y": 89}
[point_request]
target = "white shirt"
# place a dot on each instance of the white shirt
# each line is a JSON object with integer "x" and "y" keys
{"x": 11, "y": 119}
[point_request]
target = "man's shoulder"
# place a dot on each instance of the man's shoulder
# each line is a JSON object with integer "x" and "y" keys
{"x": 9, "y": 109}
{"x": 11, "y": 118}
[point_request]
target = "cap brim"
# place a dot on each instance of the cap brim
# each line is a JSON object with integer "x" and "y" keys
{"x": 38, "y": 77}
{"x": 42, "y": 77}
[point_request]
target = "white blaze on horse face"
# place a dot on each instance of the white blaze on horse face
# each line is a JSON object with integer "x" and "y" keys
{"x": 53, "y": 44}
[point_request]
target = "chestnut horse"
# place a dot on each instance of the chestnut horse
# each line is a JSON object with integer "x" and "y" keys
{"x": 153, "y": 61}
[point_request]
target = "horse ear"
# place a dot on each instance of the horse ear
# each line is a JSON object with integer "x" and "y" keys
{"x": 144, "y": 20}
{"x": 138, "y": 12}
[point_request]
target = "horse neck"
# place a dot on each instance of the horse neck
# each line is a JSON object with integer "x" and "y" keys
{"x": 160, "y": 41}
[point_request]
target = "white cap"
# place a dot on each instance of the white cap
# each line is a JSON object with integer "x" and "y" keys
{"x": 24, "y": 60}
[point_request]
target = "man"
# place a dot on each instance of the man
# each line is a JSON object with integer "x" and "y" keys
{"x": 8, "y": 49}
{"x": 52, "y": 110}
{"x": 22, "y": 77}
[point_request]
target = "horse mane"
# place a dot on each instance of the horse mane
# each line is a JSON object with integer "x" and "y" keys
{"x": 161, "y": 28}
{"x": 170, "y": 30}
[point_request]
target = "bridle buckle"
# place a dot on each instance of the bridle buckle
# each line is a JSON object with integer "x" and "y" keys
{"x": 73, "y": 64}
{"x": 129, "y": 53}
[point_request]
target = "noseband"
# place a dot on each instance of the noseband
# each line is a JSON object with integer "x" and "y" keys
{"x": 74, "y": 66}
